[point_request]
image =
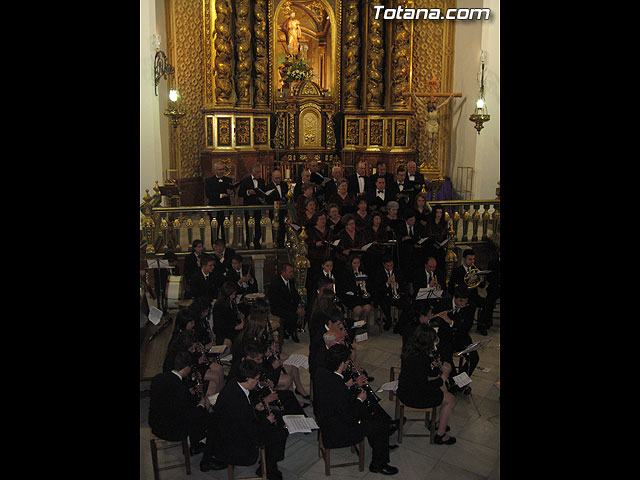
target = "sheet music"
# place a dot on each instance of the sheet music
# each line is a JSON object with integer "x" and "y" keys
{"x": 335, "y": 244}
{"x": 443, "y": 242}
{"x": 299, "y": 423}
{"x": 158, "y": 264}
{"x": 389, "y": 386}
{"x": 428, "y": 292}
{"x": 297, "y": 360}
{"x": 361, "y": 338}
{"x": 219, "y": 349}
{"x": 366, "y": 247}
{"x": 359, "y": 323}
{"x": 155, "y": 315}
{"x": 422, "y": 240}
{"x": 462, "y": 379}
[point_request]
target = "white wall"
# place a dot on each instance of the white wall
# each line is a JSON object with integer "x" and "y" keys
{"x": 468, "y": 148}
{"x": 154, "y": 156}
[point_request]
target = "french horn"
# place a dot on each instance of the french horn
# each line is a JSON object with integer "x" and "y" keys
{"x": 472, "y": 279}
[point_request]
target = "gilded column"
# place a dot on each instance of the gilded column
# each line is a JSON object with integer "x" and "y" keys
{"x": 375, "y": 59}
{"x": 261, "y": 82}
{"x": 400, "y": 59}
{"x": 224, "y": 52}
{"x": 243, "y": 53}
{"x": 352, "y": 53}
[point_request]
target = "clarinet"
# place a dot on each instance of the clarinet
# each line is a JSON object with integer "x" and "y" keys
{"x": 265, "y": 385}
{"x": 372, "y": 398}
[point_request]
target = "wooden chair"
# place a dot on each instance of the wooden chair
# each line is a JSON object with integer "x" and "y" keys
{"x": 392, "y": 377}
{"x": 159, "y": 444}
{"x": 263, "y": 464}
{"x": 429, "y": 420}
{"x": 325, "y": 453}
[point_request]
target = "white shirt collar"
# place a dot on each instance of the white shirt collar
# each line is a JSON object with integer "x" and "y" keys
{"x": 339, "y": 374}
{"x": 173, "y": 371}
{"x": 246, "y": 392}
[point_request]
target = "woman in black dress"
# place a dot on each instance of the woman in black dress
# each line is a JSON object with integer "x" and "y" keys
{"x": 422, "y": 209}
{"x": 437, "y": 230}
{"x": 317, "y": 243}
{"x": 351, "y": 291}
{"x": 345, "y": 201}
{"x": 363, "y": 219}
{"x": 422, "y": 380}
{"x": 350, "y": 239}
{"x": 334, "y": 219}
{"x": 376, "y": 234}
{"x": 228, "y": 321}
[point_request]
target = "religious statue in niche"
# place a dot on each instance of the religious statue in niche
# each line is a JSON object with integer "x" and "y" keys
{"x": 303, "y": 35}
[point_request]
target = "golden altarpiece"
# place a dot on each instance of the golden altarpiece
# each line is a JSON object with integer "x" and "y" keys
{"x": 283, "y": 82}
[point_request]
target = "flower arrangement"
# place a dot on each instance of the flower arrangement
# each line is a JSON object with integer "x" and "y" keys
{"x": 299, "y": 70}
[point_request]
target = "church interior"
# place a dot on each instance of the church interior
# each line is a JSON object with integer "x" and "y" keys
{"x": 249, "y": 88}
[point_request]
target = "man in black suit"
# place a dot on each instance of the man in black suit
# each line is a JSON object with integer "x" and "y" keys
{"x": 192, "y": 260}
{"x": 331, "y": 187}
{"x": 219, "y": 190}
{"x": 383, "y": 293}
{"x": 457, "y": 279}
{"x": 380, "y": 195}
{"x": 359, "y": 182}
{"x": 277, "y": 192}
{"x": 414, "y": 176}
{"x": 241, "y": 427}
{"x": 173, "y": 413}
{"x": 222, "y": 256}
{"x": 381, "y": 172}
{"x": 251, "y": 190}
{"x": 204, "y": 282}
{"x": 408, "y": 234}
{"x": 427, "y": 277}
{"x": 240, "y": 275}
{"x": 456, "y": 319}
{"x": 285, "y": 301}
{"x": 344, "y": 419}
{"x": 403, "y": 189}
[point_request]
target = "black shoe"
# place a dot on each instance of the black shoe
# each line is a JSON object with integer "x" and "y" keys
{"x": 437, "y": 439}
{"x": 393, "y": 428}
{"x": 197, "y": 448}
{"x": 393, "y": 447}
{"x": 370, "y": 379}
{"x": 384, "y": 469}
{"x": 306, "y": 397}
{"x": 482, "y": 331}
{"x": 271, "y": 475}
{"x": 207, "y": 464}
{"x": 294, "y": 336}
{"x": 305, "y": 405}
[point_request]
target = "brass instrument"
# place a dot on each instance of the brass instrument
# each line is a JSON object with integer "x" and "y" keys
{"x": 363, "y": 287}
{"x": 471, "y": 278}
{"x": 394, "y": 289}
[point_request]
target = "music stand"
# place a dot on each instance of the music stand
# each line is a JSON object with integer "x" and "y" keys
{"x": 465, "y": 352}
{"x": 171, "y": 191}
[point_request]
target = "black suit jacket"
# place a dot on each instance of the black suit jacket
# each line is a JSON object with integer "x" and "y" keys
{"x": 375, "y": 202}
{"x": 275, "y": 196}
{"x": 190, "y": 266}
{"x": 224, "y": 322}
{"x": 454, "y": 338}
{"x": 379, "y": 282}
{"x": 418, "y": 181}
{"x": 201, "y": 287}
{"x": 283, "y": 301}
{"x": 353, "y": 184}
{"x": 241, "y": 429}
{"x": 214, "y": 187}
{"x": 330, "y": 189}
{"x": 337, "y": 410}
{"x": 172, "y": 410}
{"x": 247, "y": 184}
{"x": 406, "y": 196}
{"x": 232, "y": 276}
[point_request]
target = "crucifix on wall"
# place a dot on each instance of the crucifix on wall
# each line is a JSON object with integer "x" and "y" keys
{"x": 435, "y": 102}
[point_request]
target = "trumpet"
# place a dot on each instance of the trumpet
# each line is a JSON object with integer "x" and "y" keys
{"x": 363, "y": 287}
{"x": 394, "y": 288}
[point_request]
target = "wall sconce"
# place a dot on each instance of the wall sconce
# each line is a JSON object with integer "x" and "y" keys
{"x": 480, "y": 114}
{"x": 161, "y": 68}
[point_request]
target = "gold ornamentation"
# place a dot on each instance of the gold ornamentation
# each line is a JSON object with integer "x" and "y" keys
{"x": 352, "y": 52}
{"x": 260, "y": 131}
{"x": 400, "y": 132}
{"x": 224, "y": 52}
{"x": 331, "y": 136}
{"x": 224, "y": 131}
{"x": 375, "y": 132}
{"x": 244, "y": 61}
{"x": 209, "y": 126}
{"x": 400, "y": 59}
{"x": 352, "y": 132}
{"x": 243, "y": 131}
{"x": 375, "y": 61}
{"x": 261, "y": 64}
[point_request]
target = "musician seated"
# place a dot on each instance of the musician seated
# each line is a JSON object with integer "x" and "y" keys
{"x": 426, "y": 278}
{"x": 227, "y": 319}
{"x": 344, "y": 419}
{"x": 204, "y": 283}
{"x": 284, "y": 300}
{"x": 455, "y": 321}
{"x": 352, "y": 291}
{"x": 175, "y": 414}
{"x": 457, "y": 279}
{"x": 383, "y": 282}
{"x": 240, "y": 275}
{"x": 222, "y": 256}
{"x": 422, "y": 315}
{"x": 423, "y": 378}
{"x": 192, "y": 261}
{"x": 242, "y": 430}
{"x": 199, "y": 309}
{"x": 212, "y": 373}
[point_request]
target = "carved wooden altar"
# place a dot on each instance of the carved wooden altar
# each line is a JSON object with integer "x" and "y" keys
{"x": 241, "y": 108}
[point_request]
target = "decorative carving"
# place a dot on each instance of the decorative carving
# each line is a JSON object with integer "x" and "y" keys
{"x": 209, "y": 121}
{"x": 400, "y": 59}
{"x": 224, "y": 52}
{"x": 400, "y": 132}
{"x": 280, "y": 129}
{"x": 243, "y": 131}
{"x": 331, "y": 136}
{"x": 224, "y": 131}
{"x": 352, "y": 132}
{"x": 352, "y": 52}
{"x": 243, "y": 52}
{"x": 260, "y": 131}
{"x": 375, "y": 61}
{"x": 375, "y": 132}
{"x": 261, "y": 64}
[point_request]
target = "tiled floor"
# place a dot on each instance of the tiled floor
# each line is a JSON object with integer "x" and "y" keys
{"x": 475, "y": 423}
